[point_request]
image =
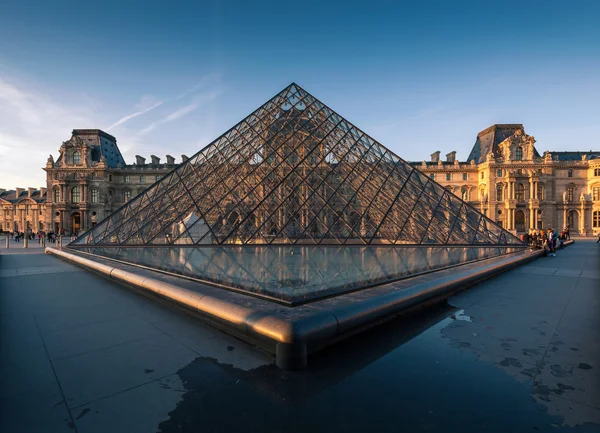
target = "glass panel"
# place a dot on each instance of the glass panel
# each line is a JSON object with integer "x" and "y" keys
{"x": 297, "y": 274}
{"x": 295, "y": 172}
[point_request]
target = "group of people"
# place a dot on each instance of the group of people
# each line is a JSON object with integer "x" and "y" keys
{"x": 548, "y": 240}
{"x": 19, "y": 236}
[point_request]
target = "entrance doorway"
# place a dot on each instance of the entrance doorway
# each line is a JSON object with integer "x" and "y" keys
{"x": 520, "y": 221}
{"x": 75, "y": 223}
{"x": 573, "y": 220}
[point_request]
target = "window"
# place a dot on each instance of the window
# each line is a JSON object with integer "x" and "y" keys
{"x": 110, "y": 177}
{"x": 499, "y": 172}
{"x": 158, "y": 177}
{"x": 596, "y": 193}
{"x": 142, "y": 179}
{"x": 499, "y": 190}
{"x": 126, "y": 195}
{"x": 127, "y": 179}
{"x": 519, "y": 154}
{"x": 570, "y": 173}
{"x": 597, "y": 172}
{"x": 520, "y": 172}
{"x": 448, "y": 176}
{"x": 75, "y": 195}
{"x": 520, "y": 193}
{"x": 499, "y": 222}
{"x": 596, "y": 219}
{"x": 465, "y": 176}
{"x": 27, "y": 210}
{"x": 540, "y": 192}
{"x": 432, "y": 176}
{"x": 41, "y": 212}
{"x": 482, "y": 174}
{"x": 56, "y": 195}
{"x": 76, "y": 158}
{"x": 94, "y": 195}
{"x": 570, "y": 194}
{"x": 465, "y": 194}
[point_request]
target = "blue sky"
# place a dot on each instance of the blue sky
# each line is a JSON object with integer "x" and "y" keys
{"x": 169, "y": 77}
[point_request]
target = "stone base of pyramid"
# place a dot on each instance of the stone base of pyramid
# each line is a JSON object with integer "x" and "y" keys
{"x": 291, "y": 333}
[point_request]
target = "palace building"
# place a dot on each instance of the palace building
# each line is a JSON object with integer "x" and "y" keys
{"x": 504, "y": 177}
{"x": 88, "y": 181}
{"x": 507, "y": 179}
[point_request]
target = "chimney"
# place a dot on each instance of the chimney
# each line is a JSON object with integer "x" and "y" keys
{"x": 170, "y": 160}
{"x": 30, "y": 192}
{"x": 451, "y": 157}
{"x": 184, "y": 158}
{"x": 155, "y": 160}
{"x": 139, "y": 160}
{"x": 435, "y": 156}
{"x": 18, "y": 192}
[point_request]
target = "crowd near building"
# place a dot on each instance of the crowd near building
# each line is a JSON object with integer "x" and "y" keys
{"x": 504, "y": 177}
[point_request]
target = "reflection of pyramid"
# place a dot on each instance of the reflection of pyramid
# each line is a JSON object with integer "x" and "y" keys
{"x": 295, "y": 172}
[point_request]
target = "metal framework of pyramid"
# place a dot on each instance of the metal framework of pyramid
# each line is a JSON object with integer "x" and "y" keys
{"x": 296, "y": 172}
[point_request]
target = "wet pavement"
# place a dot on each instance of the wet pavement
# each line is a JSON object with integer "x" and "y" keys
{"x": 517, "y": 353}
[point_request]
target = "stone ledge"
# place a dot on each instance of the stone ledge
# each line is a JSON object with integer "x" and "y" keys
{"x": 291, "y": 333}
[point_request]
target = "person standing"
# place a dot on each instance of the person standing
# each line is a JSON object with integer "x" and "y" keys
{"x": 552, "y": 242}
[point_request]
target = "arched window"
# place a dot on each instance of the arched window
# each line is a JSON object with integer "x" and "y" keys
{"x": 75, "y": 195}
{"x": 540, "y": 192}
{"x": 95, "y": 197}
{"x": 76, "y": 157}
{"x": 519, "y": 154}
{"x": 596, "y": 219}
{"x": 499, "y": 191}
{"x": 56, "y": 195}
{"x": 465, "y": 194}
{"x": 520, "y": 193}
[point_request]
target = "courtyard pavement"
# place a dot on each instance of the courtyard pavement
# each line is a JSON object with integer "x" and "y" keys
{"x": 517, "y": 353}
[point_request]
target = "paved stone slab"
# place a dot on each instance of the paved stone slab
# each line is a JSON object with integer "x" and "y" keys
{"x": 524, "y": 343}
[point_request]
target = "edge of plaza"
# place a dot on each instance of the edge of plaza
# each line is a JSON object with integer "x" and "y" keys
{"x": 291, "y": 334}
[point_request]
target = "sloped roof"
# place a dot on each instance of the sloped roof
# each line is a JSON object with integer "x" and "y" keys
{"x": 575, "y": 155}
{"x": 488, "y": 140}
{"x": 101, "y": 144}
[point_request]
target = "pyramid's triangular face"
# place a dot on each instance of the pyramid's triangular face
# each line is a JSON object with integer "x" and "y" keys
{"x": 296, "y": 172}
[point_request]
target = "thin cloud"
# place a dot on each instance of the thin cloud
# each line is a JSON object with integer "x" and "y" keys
{"x": 133, "y": 115}
{"x": 181, "y": 112}
{"x": 142, "y": 109}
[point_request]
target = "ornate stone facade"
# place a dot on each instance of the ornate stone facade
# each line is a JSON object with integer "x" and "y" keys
{"x": 88, "y": 181}
{"x": 506, "y": 179}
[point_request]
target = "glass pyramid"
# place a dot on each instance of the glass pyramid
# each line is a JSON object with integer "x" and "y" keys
{"x": 294, "y": 172}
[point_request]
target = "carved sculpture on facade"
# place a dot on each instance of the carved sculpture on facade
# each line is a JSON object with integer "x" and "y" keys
{"x": 564, "y": 196}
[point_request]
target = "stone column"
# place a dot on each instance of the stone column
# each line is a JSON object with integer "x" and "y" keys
{"x": 565, "y": 216}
